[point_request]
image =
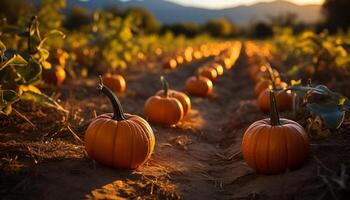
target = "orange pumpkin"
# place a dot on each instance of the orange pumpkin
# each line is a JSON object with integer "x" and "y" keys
{"x": 54, "y": 76}
{"x": 208, "y": 72}
{"x": 218, "y": 68}
{"x": 115, "y": 82}
{"x": 170, "y": 64}
{"x": 274, "y": 145}
{"x": 164, "y": 109}
{"x": 119, "y": 140}
{"x": 284, "y": 101}
{"x": 199, "y": 86}
{"x": 225, "y": 61}
{"x": 182, "y": 97}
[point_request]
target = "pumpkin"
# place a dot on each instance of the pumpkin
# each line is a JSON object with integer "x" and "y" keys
{"x": 163, "y": 109}
{"x": 114, "y": 82}
{"x": 225, "y": 61}
{"x": 264, "y": 84}
{"x": 218, "y": 68}
{"x": 119, "y": 140}
{"x": 54, "y": 76}
{"x": 170, "y": 64}
{"x": 208, "y": 72}
{"x": 274, "y": 145}
{"x": 182, "y": 97}
{"x": 284, "y": 101}
{"x": 199, "y": 86}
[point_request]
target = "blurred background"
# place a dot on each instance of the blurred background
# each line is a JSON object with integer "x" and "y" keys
{"x": 221, "y": 18}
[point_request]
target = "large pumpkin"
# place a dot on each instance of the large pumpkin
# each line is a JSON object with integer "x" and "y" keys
{"x": 114, "y": 82}
{"x": 119, "y": 140}
{"x": 284, "y": 101}
{"x": 182, "y": 97}
{"x": 199, "y": 86}
{"x": 274, "y": 145}
{"x": 163, "y": 109}
{"x": 55, "y": 75}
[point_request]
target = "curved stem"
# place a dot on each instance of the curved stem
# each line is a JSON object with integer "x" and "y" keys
{"x": 118, "y": 113}
{"x": 165, "y": 86}
{"x": 274, "y": 116}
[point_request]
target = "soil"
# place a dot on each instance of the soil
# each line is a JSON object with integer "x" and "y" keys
{"x": 199, "y": 158}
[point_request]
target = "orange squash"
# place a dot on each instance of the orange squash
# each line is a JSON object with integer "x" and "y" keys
{"x": 114, "y": 82}
{"x": 119, "y": 140}
{"x": 182, "y": 97}
{"x": 284, "y": 101}
{"x": 274, "y": 145}
{"x": 163, "y": 109}
{"x": 199, "y": 86}
{"x": 54, "y": 76}
{"x": 218, "y": 68}
{"x": 208, "y": 72}
{"x": 170, "y": 64}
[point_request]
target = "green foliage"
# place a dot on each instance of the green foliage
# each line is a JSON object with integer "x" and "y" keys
{"x": 219, "y": 27}
{"x": 22, "y": 68}
{"x": 321, "y": 101}
{"x": 143, "y": 19}
{"x": 310, "y": 54}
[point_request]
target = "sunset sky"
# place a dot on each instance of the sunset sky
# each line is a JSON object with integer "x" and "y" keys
{"x": 215, "y": 4}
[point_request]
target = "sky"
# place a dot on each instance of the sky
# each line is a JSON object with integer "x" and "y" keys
{"x": 216, "y": 4}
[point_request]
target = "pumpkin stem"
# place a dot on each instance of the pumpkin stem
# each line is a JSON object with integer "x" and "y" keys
{"x": 118, "y": 113}
{"x": 165, "y": 86}
{"x": 274, "y": 116}
{"x": 271, "y": 75}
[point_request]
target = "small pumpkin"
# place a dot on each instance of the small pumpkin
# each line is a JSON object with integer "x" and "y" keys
{"x": 218, "y": 67}
{"x": 170, "y": 64}
{"x": 119, "y": 140}
{"x": 182, "y": 97}
{"x": 274, "y": 145}
{"x": 55, "y": 75}
{"x": 199, "y": 86}
{"x": 284, "y": 101}
{"x": 208, "y": 72}
{"x": 163, "y": 109}
{"x": 114, "y": 82}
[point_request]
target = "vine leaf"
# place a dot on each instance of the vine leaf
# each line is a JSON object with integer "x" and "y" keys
{"x": 42, "y": 99}
{"x": 329, "y": 112}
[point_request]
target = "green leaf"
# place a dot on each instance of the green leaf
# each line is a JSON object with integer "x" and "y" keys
{"x": 16, "y": 59}
{"x": 330, "y": 113}
{"x": 51, "y": 33}
{"x": 7, "y": 98}
{"x": 42, "y": 99}
{"x": 29, "y": 73}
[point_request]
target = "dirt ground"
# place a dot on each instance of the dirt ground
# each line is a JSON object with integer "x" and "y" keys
{"x": 199, "y": 158}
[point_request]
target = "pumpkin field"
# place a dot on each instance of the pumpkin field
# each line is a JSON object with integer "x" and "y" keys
{"x": 104, "y": 105}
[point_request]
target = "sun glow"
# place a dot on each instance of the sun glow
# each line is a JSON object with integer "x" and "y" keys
{"x": 218, "y": 4}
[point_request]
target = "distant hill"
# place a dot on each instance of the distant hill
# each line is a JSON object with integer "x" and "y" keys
{"x": 168, "y": 12}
